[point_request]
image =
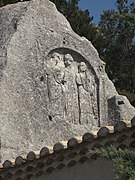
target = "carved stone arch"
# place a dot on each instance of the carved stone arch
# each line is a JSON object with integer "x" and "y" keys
{"x": 93, "y": 91}
{"x": 76, "y": 55}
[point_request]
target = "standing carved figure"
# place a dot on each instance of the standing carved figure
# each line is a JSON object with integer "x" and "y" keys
{"x": 55, "y": 75}
{"x": 71, "y": 98}
{"x": 55, "y": 62}
{"x": 84, "y": 83}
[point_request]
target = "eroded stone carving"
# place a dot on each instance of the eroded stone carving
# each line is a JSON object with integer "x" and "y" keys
{"x": 71, "y": 97}
{"x": 55, "y": 87}
{"x": 39, "y": 99}
{"x": 84, "y": 82}
{"x": 72, "y": 93}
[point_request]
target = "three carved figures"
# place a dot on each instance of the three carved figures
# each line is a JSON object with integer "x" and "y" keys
{"x": 71, "y": 88}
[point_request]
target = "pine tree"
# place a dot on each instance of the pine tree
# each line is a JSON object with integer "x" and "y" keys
{"x": 81, "y": 21}
{"x": 116, "y": 44}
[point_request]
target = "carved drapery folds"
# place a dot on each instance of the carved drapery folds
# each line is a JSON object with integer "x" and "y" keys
{"x": 72, "y": 90}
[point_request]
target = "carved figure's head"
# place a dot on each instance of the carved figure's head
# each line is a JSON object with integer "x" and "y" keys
{"x": 82, "y": 67}
{"x": 68, "y": 59}
{"x": 56, "y": 56}
{"x": 54, "y": 59}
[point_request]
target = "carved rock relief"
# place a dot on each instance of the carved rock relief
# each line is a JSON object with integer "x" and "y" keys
{"x": 72, "y": 90}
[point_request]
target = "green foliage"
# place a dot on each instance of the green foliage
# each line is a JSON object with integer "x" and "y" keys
{"x": 116, "y": 44}
{"x": 80, "y": 20}
{"x": 124, "y": 161}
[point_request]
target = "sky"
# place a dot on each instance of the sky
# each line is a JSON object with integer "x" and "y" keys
{"x": 96, "y": 7}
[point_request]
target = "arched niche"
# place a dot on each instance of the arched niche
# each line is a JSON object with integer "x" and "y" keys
{"x": 53, "y": 64}
{"x": 77, "y": 57}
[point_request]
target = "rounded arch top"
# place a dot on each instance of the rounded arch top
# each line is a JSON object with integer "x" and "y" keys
{"x": 78, "y": 58}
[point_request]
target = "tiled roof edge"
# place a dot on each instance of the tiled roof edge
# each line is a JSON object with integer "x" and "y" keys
{"x": 71, "y": 143}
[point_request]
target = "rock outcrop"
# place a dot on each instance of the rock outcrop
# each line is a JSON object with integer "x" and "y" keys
{"x": 53, "y": 84}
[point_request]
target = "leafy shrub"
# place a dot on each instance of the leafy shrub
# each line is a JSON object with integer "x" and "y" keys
{"x": 124, "y": 161}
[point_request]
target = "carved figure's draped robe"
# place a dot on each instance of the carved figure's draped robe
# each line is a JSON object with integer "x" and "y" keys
{"x": 84, "y": 94}
{"x": 71, "y": 97}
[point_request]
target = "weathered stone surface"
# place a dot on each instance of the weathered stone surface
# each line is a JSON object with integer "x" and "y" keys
{"x": 53, "y": 84}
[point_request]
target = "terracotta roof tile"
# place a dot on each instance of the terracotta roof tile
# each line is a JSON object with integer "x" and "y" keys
{"x": 68, "y": 153}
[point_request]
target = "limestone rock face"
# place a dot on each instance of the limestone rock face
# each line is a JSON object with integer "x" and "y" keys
{"x": 53, "y": 84}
